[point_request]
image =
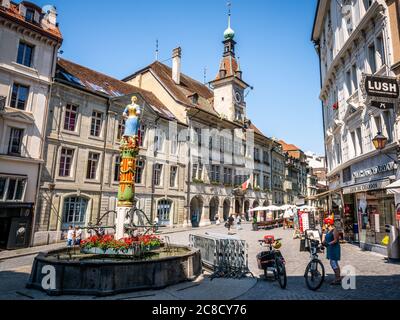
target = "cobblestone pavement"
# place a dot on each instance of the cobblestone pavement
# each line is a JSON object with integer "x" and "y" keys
{"x": 376, "y": 279}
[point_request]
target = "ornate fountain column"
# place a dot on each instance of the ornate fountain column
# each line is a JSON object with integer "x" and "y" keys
{"x": 129, "y": 150}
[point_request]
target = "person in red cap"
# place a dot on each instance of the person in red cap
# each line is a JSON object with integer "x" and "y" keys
{"x": 333, "y": 251}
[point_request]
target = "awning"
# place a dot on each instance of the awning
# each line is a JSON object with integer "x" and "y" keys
{"x": 393, "y": 187}
{"x": 269, "y": 208}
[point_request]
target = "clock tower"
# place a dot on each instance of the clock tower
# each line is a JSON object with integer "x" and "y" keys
{"x": 228, "y": 85}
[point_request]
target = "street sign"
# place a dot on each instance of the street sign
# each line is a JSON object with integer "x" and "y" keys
{"x": 382, "y": 105}
{"x": 383, "y": 87}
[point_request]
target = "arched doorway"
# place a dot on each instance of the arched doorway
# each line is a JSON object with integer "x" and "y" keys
{"x": 227, "y": 209}
{"x": 266, "y": 204}
{"x": 238, "y": 207}
{"x": 246, "y": 209}
{"x": 214, "y": 204}
{"x": 196, "y": 209}
{"x": 255, "y": 205}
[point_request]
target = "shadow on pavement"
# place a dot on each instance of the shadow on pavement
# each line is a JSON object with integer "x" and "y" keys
{"x": 366, "y": 288}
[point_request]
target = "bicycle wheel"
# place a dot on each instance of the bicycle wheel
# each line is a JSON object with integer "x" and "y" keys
{"x": 315, "y": 275}
{"x": 281, "y": 273}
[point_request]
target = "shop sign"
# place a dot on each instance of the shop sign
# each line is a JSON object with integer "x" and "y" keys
{"x": 375, "y": 185}
{"x": 384, "y": 87}
{"x": 382, "y": 105}
{"x": 375, "y": 170}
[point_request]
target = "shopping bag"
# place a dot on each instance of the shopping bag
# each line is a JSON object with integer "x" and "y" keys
{"x": 385, "y": 240}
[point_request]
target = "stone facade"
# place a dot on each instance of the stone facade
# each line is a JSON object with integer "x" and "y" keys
{"x": 352, "y": 43}
{"x": 29, "y": 42}
{"x": 83, "y": 195}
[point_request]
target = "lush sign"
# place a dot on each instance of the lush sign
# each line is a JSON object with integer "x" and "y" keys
{"x": 384, "y": 87}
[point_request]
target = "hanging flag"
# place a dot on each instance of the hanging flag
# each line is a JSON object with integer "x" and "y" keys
{"x": 246, "y": 185}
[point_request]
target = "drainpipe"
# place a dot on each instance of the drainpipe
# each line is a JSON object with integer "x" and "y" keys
{"x": 43, "y": 138}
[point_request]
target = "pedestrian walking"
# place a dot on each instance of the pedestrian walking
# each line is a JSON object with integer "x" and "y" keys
{"x": 230, "y": 222}
{"x": 78, "y": 236}
{"x": 333, "y": 252}
{"x": 239, "y": 223}
{"x": 70, "y": 236}
{"x": 255, "y": 222}
{"x": 217, "y": 222}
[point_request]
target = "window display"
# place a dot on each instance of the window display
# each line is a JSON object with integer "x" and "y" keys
{"x": 375, "y": 210}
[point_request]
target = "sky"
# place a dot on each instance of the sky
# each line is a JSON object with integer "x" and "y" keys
{"x": 273, "y": 42}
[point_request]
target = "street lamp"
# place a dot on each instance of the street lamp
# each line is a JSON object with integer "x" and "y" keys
{"x": 380, "y": 141}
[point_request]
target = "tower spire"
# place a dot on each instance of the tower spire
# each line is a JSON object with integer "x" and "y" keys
{"x": 229, "y": 33}
{"x": 229, "y": 14}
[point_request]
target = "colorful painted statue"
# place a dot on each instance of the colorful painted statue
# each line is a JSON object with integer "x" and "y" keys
{"x": 131, "y": 115}
{"x": 129, "y": 151}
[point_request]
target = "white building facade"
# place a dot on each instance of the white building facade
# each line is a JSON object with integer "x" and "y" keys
{"x": 29, "y": 43}
{"x": 353, "y": 41}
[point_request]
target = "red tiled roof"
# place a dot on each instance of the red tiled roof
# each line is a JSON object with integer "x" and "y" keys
{"x": 14, "y": 14}
{"x": 230, "y": 65}
{"x": 291, "y": 149}
{"x": 187, "y": 88}
{"x": 256, "y": 130}
{"x": 103, "y": 84}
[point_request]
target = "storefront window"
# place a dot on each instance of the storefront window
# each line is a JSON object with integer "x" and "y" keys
{"x": 375, "y": 210}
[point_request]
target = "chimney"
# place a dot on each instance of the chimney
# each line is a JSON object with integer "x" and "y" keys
{"x": 5, "y": 3}
{"x": 176, "y": 65}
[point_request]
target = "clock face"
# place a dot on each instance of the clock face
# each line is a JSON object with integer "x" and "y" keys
{"x": 238, "y": 97}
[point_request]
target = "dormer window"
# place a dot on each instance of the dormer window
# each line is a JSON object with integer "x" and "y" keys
{"x": 195, "y": 98}
{"x": 30, "y": 15}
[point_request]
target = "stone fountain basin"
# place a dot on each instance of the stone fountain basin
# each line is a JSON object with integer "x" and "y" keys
{"x": 102, "y": 276}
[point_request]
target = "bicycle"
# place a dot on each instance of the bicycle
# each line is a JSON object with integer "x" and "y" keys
{"x": 272, "y": 259}
{"x": 315, "y": 271}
